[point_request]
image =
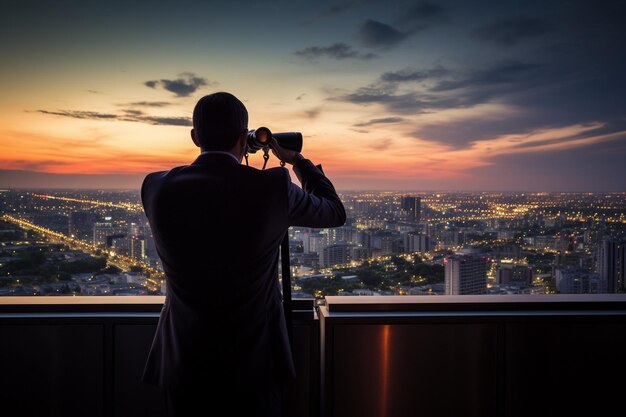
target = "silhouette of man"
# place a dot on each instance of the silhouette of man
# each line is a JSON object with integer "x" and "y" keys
{"x": 217, "y": 226}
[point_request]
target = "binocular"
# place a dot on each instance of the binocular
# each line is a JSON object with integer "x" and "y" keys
{"x": 260, "y": 138}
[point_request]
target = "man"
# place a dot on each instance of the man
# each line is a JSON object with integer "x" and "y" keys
{"x": 217, "y": 226}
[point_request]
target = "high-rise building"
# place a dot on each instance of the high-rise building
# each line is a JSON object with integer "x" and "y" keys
{"x": 388, "y": 245}
{"x": 621, "y": 270}
{"x": 346, "y": 234}
{"x": 411, "y": 206}
{"x": 358, "y": 253}
{"x": 116, "y": 237}
{"x": 151, "y": 251}
{"x": 451, "y": 237}
{"x": 335, "y": 254}
{"x": 120, "y": 243}
{"x": 138, "y": 247}
{"x": 416, "y": 242}
{"x": 514, "y": 274}
{"x": 465, "y": 274}
{"x": 330, "y": 236}
{"x": 578, "y": 281}
{"x": 136, "y": 229}
{"x": 316, "y": 243}
{"x": 366, "y": 238}
{"x": 102, "y": 230}
{"x": 608, "y": 263}
{"x": 138, "y": 243}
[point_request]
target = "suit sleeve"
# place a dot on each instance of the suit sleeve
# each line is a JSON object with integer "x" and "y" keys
{"x": 316, "y": 204}
{"x": 146, "y": 192}
{"x": 142, "y": 193}
{"x": 148, "y": 189}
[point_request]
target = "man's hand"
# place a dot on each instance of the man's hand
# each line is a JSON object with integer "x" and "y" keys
{"x": 286, "y": 155}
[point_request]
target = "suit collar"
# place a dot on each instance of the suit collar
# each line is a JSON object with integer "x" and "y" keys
{"x": 215, "y": 156}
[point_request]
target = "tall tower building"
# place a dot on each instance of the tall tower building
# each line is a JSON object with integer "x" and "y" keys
{"x": 316, "y": 242}
{"x": 621, "y": 271}
{"x": 411, "y": 206}
{"x": 465, "y": 274}
{"x": 138, "y": 247}
{"x": 608, "y": 263}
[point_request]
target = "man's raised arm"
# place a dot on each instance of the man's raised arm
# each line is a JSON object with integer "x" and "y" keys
{"x": 316, "y": 204}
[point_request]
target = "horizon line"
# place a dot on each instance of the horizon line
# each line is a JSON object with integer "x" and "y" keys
{"x": 352, "y": 190}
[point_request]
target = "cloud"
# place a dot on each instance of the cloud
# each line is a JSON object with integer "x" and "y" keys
{"x": 409, "y": 102}
{"x": 167, "y": 121}
{"x": 510, "y": 31}
{"x": 301, "y": 96}
{"x": 94, "y": 91}
{"x": 380, "y": 145}
{"x": 552, "y": 170}
{"x": 458, "y": 89}
{"x": 32, "y": 165}
{"x": 186, "y": 84}
{"x": 148, "y": 104}
{"x": 423, "y": 10}
{"x": 128, "y": 115}
{"x": 79, "y": 114}
{"x": 374, "y": 34}
{"x": 383, "y": 120}
{"x": 336, "y": 9}
{"x": 414, "y": 75}
{"x": 337, "y": 50}
{"x": 386, "y": 96}
{"x": 501, "y": 72}
{"x": 313, "y": 113}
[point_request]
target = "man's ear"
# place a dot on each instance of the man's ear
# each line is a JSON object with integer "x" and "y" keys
{"x": 243, "y": 139}
{"x": 194, "y": 138}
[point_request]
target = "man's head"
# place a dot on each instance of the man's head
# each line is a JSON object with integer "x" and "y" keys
{"x": 219, "y": 121}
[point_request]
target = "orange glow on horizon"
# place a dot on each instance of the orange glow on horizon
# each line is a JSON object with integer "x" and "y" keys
{"x": 33, "y": 141}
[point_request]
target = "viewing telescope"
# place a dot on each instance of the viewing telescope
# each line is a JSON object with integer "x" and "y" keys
{"x": 260, "y": 138}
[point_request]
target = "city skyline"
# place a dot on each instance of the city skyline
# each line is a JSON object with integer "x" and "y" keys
{"x": 417, "y": 95}
{"x": 100, "y": 243}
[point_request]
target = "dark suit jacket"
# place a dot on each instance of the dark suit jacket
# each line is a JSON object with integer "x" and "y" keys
{"x": 218, "y": 226}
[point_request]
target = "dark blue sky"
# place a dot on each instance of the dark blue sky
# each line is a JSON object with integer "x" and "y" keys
{"x": 508, "y": 95}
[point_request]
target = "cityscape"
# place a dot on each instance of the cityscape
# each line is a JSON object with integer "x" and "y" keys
{"x": 97, "y": 242}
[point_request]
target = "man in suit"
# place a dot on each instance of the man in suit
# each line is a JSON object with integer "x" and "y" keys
{"x": 218, "y": 226}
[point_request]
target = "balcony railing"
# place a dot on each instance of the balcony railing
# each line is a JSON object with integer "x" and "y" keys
{"x": 358, "y": 356}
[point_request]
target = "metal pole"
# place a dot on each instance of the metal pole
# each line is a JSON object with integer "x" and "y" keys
{"x": 286, "y": 276}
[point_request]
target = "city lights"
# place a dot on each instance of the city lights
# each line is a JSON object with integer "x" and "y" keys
{"x": 392, "y": 243}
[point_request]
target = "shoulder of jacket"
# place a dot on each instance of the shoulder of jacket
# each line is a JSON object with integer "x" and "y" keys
{"x": 155, "y": 179}
{"x": 163, "y": 174}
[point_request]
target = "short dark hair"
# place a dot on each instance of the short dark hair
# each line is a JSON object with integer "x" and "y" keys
{"x": 218, "y": 120}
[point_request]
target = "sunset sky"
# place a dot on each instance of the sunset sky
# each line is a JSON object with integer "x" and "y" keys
{"x": 396, "y": 95}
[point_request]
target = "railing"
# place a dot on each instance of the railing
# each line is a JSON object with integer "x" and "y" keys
{"x": 371, "y": 356}
{"x": 481, "y": 356}
{"x": 84, "y": 356}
